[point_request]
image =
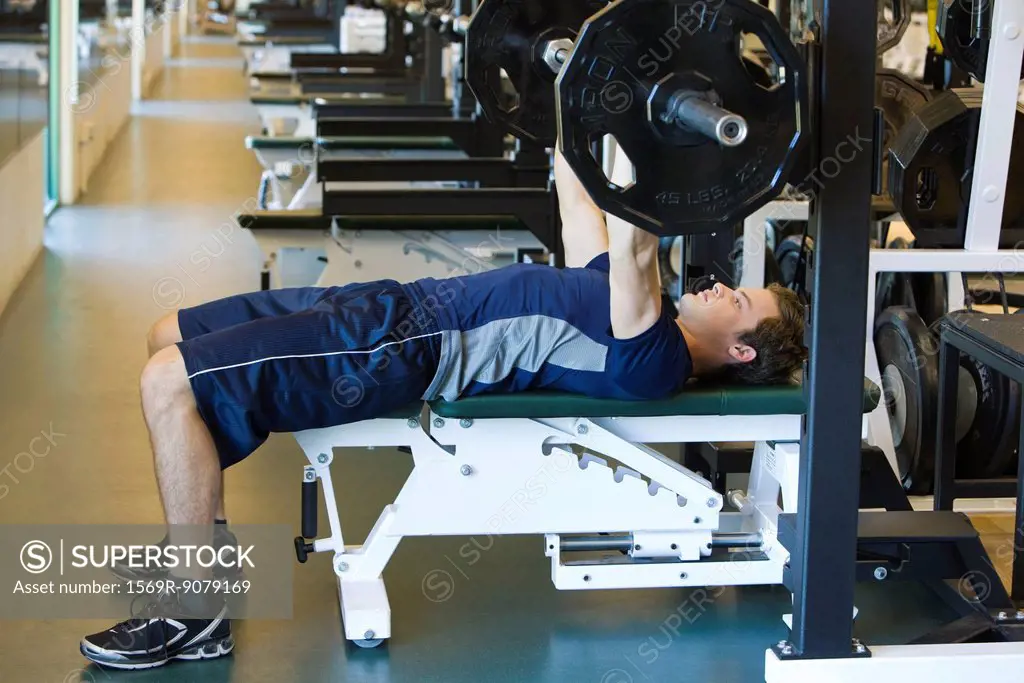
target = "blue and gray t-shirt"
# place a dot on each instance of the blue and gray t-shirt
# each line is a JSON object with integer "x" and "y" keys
{"x": 535, "y": 327}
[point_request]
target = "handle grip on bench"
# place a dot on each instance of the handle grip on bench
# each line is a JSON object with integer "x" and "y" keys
{"x": 309, "y": 504}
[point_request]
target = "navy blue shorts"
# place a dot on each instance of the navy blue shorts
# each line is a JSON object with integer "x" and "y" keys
{"x": 296, "y": 359}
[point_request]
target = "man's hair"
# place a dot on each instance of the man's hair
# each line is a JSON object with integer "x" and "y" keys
{"x": 778, "y": 341}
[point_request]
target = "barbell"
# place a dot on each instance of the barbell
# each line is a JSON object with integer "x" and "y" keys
{"x": 714, "y": 133}
{"x": 697, "y": 109}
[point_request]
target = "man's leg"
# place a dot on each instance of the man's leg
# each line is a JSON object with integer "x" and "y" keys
{"x": 215, "y": 397}
{"x": 187, "y": 467}
{"x": 164, "y": 333}
{"x": 229, "y": 312}
{"x": 178, "y": 624}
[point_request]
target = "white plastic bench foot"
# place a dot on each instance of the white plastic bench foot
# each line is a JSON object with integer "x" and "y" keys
{"x": 365, "y": 610}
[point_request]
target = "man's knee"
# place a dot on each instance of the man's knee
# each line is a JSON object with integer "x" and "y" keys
{"x": 164, "y": 381}
{"x": 164, "y": 333}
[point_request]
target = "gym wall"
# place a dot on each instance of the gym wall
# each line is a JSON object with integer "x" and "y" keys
{"x": 23, "y": 103}
{"x": 21, "y": 226}
{"x": 96, "y": 125}
{"x": 154, "y": 61}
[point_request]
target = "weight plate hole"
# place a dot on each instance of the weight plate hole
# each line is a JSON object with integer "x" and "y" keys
{"x": 500, "y": 89}
{"x": 597, "y": 145}
{"x": 759, "y": 62}
{"x": 886, "y": 13}
{"x": 508, "y": 94}
{"x": 927, "y": 188}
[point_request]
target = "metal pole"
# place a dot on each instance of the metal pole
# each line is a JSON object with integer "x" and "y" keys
{"x": 998, "y": 115}
{"x": 708, "y": 119}
{"x": 625, "y": 542}
{"x": 138, "y": 54}
{"x": 67, "y": 86}
{"x": 823, "y": 560}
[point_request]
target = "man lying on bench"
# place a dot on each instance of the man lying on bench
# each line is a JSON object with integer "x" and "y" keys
{"x": 224, "y": 375}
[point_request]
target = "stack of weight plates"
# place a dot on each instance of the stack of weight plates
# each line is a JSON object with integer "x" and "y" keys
{"x": 907, "y": 346}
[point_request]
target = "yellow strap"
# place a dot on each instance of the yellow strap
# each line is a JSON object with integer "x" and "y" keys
{"x": 933, "y": 19}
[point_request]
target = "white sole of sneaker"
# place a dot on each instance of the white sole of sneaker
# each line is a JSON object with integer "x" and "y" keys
{"x": 211, "y": 649}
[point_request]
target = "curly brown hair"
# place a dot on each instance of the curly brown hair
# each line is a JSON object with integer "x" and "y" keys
{"x": 778, "y": 341}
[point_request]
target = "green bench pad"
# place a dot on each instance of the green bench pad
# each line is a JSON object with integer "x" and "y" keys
{"x": 272, "y": 40}
{"x": 313, "y": 219}
{"x": 404, "y": 413}
{"x": 338, "y": 144}
{"x": 280, "y": 100}
{"x": 697, "y": 399}
{"x": 388, "y": 142}
{"x": 28, "y": 38}
{"x": 273, "y": 75}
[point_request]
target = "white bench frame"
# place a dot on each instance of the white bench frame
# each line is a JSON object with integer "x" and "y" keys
{"x": 273, "y": 57}
{"x": 504, "y": 476}
{"x": 280, "y": 164}
{"x": 293, "y": 257}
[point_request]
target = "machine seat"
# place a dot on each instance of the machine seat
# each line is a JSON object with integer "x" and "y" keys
{"x": 697, "y": 399}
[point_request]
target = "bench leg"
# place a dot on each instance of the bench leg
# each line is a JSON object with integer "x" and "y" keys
{"x": 308, "y": 196}
{"x": 365, "y": 611}
{"x": 761, "y": 502}
{"x": 277, "y": 191}
{"x": 364, "y": 600}
{"x": 307, "y": 124}
{"x": 774, "y": 470}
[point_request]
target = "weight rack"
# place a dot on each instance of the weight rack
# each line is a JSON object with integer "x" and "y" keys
{"x": 824, "y": 531}
{"x": 518, "y": 187}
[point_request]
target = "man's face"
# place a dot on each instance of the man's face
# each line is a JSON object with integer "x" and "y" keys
{"x": 720, "y": 315}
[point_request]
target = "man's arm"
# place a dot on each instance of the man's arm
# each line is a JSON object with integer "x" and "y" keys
{"x": 584, "y": 234}
{"x": 633, "y": 276}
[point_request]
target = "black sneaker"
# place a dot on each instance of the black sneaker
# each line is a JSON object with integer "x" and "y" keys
{"x": 154, "y": 638}
{"x": 221, "y": 537}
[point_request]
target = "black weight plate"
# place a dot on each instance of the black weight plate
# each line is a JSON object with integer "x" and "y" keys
{"x": 510, "y": 35}
{"x": 990, "y": 441}
{"x": 929, "y": 296}
{"x": 953, "y": 25}
{"x": 1011, "y": 466}
{"x": 893, "y": 289}
{"x": 930, "y": 165}
{"x": 634, "y": 53}
{"x": 772, "y": 274}
{"x": 788, "y": 257}
{"x": 758, "y": 72}
{"x": 907, "y": 358}
{"x": 898, "y": 96}
{"x": 893, "y": 21}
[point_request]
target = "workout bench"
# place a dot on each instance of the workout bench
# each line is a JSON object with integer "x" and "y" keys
{"x": 545, "y": 463}
{"x": 274, "y": 54}
{"x": 284, "y": 157}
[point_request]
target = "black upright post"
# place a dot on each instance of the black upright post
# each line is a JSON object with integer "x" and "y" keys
{"x": 431, "y": 54}
{"x": 823, "y": 561}
{"x": 464, "y": 105}
{"x": 945, "y": 447}
{"x": 709, "y": 256}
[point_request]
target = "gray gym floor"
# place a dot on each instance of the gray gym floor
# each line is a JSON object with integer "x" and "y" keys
{"x": 72, "y": 345}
